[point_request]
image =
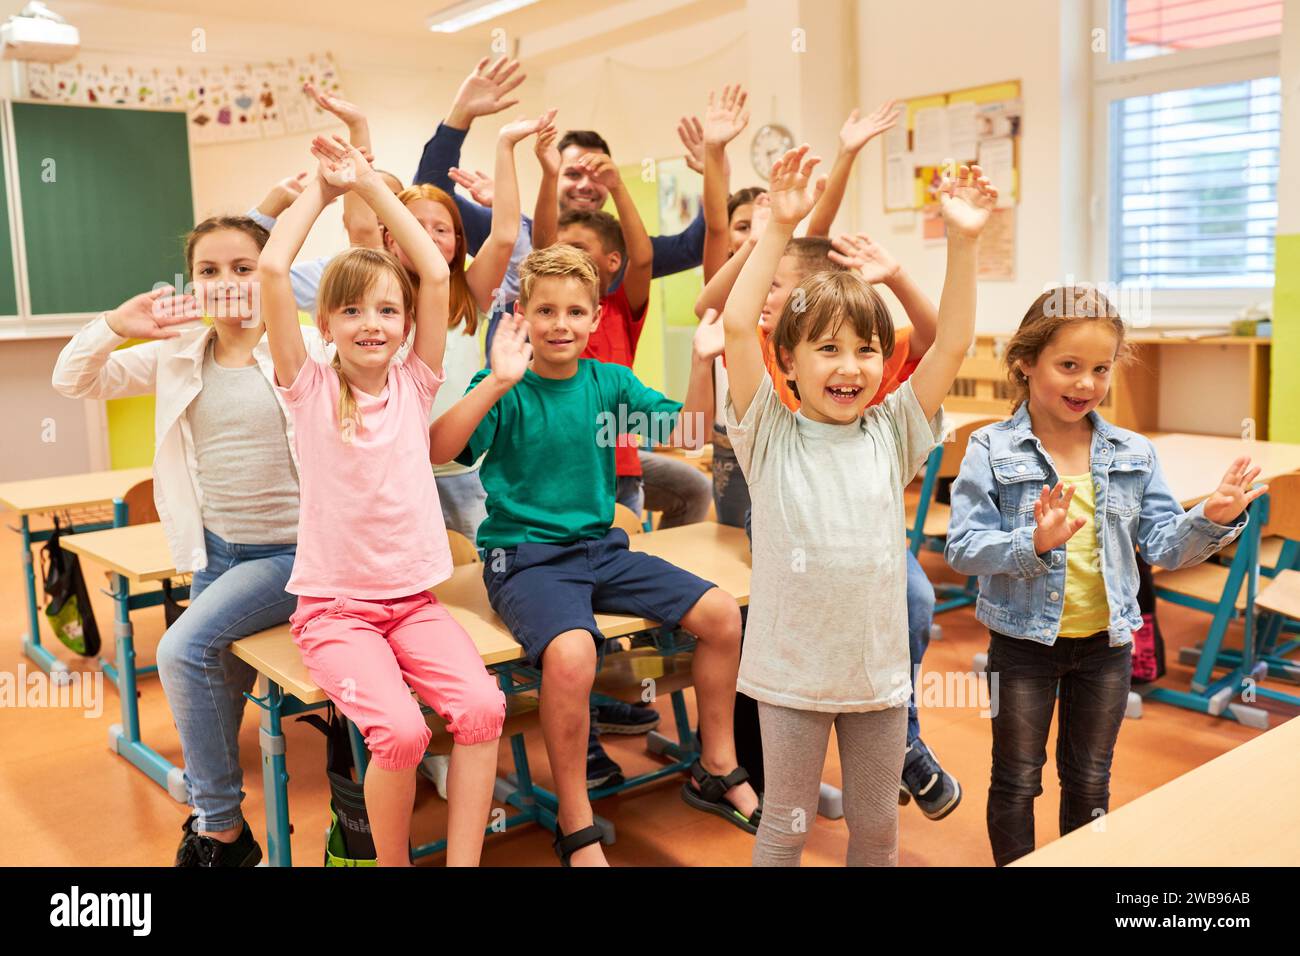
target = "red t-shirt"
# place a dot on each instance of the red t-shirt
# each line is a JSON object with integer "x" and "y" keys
{"x": 615, "y": 341}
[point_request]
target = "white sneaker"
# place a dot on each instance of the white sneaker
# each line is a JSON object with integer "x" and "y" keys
{"x": 434, "y": 769}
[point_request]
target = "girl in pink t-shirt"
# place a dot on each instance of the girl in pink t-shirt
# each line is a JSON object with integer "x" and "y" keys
{"x": 371, "y": 541}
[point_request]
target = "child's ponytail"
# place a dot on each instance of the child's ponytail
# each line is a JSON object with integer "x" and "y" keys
{"x": 349, "y": 413}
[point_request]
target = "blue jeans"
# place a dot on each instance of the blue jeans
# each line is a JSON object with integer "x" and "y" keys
{"x": 239, "y": 593}
{"x": 730, "y": 489}
{"x": 920, "y": 615}
{"x": 464, "y": 503}
{"x": 1090, "y": 679}
{"x": 629, "y": 491}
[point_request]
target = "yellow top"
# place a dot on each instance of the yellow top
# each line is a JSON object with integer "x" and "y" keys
{"x": 1086, "y": 610}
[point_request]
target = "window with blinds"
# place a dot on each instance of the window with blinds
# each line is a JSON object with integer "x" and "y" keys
{"x": 1194, "y": 186}
{"x": 1147, "y": 28}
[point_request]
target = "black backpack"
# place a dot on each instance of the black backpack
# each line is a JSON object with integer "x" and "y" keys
{"x": 67, "y": 607}
{"x": 349, "y": 842}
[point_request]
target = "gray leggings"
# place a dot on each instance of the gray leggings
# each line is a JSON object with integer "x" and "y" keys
{"x": 872, "y": 746}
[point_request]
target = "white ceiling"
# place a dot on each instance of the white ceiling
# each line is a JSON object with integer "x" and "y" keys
{"x": 390, "y": 17}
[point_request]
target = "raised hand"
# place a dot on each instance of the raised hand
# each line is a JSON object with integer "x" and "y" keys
{"x": 726, "y": 116}
{"x": 342, "y": 165}
{"x": 761, "y": 216}
{"x": 691, "y": 132}
{"x": 545, "y": 149}
{"x": 858, "y": 131}
{"x": 710, "y": 336}
{"x": 967, "y": 201}
{"x": 349, "y": 113}
{"x": 511, "y": 351}
{"x": 487, "y": 89}
{"x": 1234, "y": 494}
{"x": 792, "y": 198}
{"x": 282, "y": 195}
{"x": 154, "y": 315}
{"x": 477, "y": 182}
{"x": 858, "y": 251}
{"x": 601, "y": 168}
{"x": 1053, "y": 524}
{"x": 523, "y": 127}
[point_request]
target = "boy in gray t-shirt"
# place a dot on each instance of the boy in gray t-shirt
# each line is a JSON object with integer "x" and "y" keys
{"x": 826, "y": 639}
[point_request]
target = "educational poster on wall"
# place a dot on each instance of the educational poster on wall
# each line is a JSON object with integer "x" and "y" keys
{"x": 997, "y": 247}
{"x": 978, "y": 124}
{"x": 224, "y": 103}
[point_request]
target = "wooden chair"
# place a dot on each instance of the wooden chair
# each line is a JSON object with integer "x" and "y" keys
{"x": 928, "y": 522}
{"x": 1208, "y": 587}
{"x": 625, "y": 518}
{"x": 462, "y": 549}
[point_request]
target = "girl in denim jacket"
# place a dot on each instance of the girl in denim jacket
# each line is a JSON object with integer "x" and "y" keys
{"x": 1048, "y": 511}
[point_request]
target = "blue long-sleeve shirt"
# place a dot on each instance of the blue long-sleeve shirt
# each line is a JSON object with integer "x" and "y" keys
{"x": 673, "y": 254}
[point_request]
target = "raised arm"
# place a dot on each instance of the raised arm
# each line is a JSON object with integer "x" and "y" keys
{"x": 854, "y": 134}
{"x": 546, "y": 217}
{"x": 279, "y": 310}
{"x": 640, "y": 253}
{"x": 92, "y": 366}
{"x": 724, "y": 120}
{"x": 715, "y": 292}
{"x": 695, "y": 424}
{"x": 967, "y": 202}
{"x": 792, "y": 199}
{"x": 358, "y": 218}
{"x": 433, "y": 293}
{"x": 489, "y": 266}
{"x": 875, "y": 264}
{"x": 511, "y": 353}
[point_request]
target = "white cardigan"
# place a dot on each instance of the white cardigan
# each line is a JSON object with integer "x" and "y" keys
{"x": 92, "y": 366}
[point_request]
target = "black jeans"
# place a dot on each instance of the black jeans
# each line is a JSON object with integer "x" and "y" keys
{"x": 1091, "y": 680}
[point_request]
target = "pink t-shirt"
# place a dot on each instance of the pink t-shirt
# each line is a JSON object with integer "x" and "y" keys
{"x": 369, "y": 525}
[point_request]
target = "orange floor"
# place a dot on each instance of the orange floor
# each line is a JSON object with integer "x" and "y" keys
{"x": 69, "y": 801}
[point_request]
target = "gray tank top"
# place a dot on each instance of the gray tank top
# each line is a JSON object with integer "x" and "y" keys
{"x": 245, "y": 471}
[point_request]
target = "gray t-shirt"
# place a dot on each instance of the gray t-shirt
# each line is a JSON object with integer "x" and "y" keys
{"x": 827, "y": 622}
{"x": 245, "y": 472}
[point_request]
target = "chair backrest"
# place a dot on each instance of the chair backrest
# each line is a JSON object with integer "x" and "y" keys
{"x": 462, "y": 549}
{"x": 140, "y": 508}
{"x": 954, "y": 446}
{"x": 1284, "y": 507}
{"x": 626, "y": 518}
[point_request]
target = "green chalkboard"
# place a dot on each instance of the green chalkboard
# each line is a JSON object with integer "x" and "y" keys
{"x": 105, "y": 199}
{"x": 8, "y": 286}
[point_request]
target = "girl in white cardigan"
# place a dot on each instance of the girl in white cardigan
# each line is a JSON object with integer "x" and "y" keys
{"x": 226, "y": 488}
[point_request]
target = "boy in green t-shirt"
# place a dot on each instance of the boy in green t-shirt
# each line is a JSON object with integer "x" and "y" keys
{"x": 548, "y": 422}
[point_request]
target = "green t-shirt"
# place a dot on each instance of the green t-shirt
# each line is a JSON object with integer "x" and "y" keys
{"x": 549, "y": 443}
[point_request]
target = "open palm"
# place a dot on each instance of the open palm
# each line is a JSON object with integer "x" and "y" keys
{"x": 967, "y": 200}
{"x": 487, "y": 89}
{"x": 857, "y": 130}
{"x": 349, "y": 113}
{"x": 511, "y": 351}
{"x": 792, "y": 197}
{"x": 1052, "y": 521}
{"x": 341, "y": 163}
{"x": 726, "y": 116}
{"x": 858, "y": 251}
{"x": 1234, "y": 494}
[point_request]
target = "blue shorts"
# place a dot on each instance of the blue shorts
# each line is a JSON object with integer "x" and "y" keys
{"x": 543, "y": 590}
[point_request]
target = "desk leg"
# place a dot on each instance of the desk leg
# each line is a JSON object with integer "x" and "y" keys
{"x": 32, "y": 639}
{"x": 124, "y": 738}
{"x": 275, "y": 775}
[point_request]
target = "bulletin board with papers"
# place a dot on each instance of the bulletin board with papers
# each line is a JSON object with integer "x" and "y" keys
{"x": 982, "y": 125}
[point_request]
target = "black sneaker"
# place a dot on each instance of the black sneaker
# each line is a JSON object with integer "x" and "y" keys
{"x": 213, "y": 853}
{"x": 601, "y": 771}
{"x": 616, "y": 717}
{"x": 185, "y": 855}
{"x": 935, "y": 791}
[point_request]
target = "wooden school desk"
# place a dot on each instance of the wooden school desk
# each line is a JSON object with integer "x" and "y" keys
{"x": 715, "y": 552}
{"x": 48, "y": 496}
{"x": 1192, "y": 820}
{"x": 137, "y": 555}
{"x": 1193, "y": 465}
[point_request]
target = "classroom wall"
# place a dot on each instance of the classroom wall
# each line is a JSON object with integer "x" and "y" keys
{"x": 1284, "y": 408}
{"x": 904, "y": 51}
{"x": 41, "y": 432}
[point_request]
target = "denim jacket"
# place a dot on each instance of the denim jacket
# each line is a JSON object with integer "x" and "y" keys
{"x": 991, "y": 529}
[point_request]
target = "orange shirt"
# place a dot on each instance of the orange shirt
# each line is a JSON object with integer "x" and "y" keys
{"x": 897, "y": 368}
